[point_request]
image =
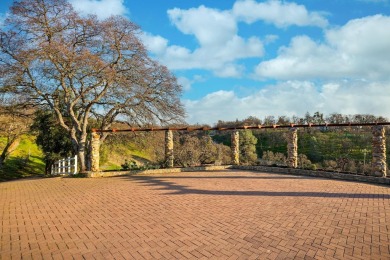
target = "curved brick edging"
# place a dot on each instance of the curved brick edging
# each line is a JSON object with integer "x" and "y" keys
{"x": 311, "y": 173}
{"x": 157, "y": 171}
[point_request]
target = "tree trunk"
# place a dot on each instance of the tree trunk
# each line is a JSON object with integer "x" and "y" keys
{"x": 81, "y": 157}
{"x": 8, "y": 149}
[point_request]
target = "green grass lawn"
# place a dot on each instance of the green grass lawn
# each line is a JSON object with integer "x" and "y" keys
{"x": 112, "y": 156}
{"x": 25, "y": 161}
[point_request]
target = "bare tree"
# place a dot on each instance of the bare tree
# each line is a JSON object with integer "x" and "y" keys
{"x": 83, "y": 68}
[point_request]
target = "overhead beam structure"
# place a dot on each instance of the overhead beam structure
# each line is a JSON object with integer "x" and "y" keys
{"x": 379, "y": 162}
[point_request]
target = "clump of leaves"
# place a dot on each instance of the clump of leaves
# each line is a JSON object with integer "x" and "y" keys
{"x": 132, "y": 165}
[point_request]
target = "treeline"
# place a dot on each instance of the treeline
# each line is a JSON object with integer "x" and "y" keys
{"x": 329, "y": 148}
{"x": 315, "y": 118}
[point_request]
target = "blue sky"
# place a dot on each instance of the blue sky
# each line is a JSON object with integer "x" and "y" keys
{"x": 257, "y": 58}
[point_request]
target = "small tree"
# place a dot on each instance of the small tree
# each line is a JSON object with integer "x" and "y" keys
{"x": 248, "y": 143}
{"x": 192, "y": 149}
{"x": 271, "y": 158}
{"x": 51, "y": 138}
{"x": 186, "y": 151}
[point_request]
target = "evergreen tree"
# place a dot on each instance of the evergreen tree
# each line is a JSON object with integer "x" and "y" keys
{"x": 248, "y": 143}
{"x": 54, "y": 140}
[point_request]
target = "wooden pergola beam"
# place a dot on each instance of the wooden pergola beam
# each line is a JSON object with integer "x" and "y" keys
{"x": 234, "y": 128}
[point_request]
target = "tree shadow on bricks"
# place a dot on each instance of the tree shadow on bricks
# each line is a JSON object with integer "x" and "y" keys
{"x": 176, "y": 189}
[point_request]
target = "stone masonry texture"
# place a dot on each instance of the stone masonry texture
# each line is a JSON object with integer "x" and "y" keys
{"x": 235, "y": 147}
{"x": 198, "y": 215}
{"x": 379, "y": 166}
{"x": 169, "y": 148}
{"x": 95, "y": 155}
{"x": 292, "y": 148}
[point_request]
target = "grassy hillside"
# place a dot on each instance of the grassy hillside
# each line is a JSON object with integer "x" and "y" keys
{"x": 142, "y": 149}
{"x": 26, "y": 160}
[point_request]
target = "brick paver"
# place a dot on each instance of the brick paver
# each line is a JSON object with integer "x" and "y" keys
{"x": 209, "y": 215}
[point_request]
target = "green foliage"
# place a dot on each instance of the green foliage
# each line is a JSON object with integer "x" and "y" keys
{"x": 193, "y": 149}
{"x": 248, "y": 143}
{"x": 271, "y": 158}
{"x": 51, "y": 138}
{"x": 129, "y": 165}
{"x": 132, "y": 165}
{"x": 330, "y": 148}
{"x": 305, "y": 163}
{"x": 270, "y": 140}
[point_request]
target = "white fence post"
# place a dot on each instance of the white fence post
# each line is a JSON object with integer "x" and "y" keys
{"x": 75, "y": 165}
{"x": 68, "y": 162}
{"x": 65, "y": 166}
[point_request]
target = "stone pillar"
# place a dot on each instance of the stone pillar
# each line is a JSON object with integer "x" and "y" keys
{"x": 292, "y": 148}
{"x": 235, "y": 148}
{"x": 169, "y": 148}
{"x": 379, "y": 165}
{"x": 95, "y": 156}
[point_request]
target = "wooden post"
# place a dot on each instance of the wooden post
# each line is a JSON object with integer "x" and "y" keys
{"x": 235, "y": 147}
{"x": 169, "y": 148}
{"x": 379, "y": 165}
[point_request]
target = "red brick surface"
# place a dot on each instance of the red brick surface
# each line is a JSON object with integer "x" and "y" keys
{"x": 213, "y": 215}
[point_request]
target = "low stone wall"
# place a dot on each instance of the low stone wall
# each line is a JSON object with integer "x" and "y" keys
{"x": 311, "y": 173}
{"x": 157, "y": 171}
{"x": 291, "y": 171}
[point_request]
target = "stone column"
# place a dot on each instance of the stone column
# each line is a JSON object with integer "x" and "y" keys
{"x": 379, "y": 165}
{"x": 95, "y": 156}
{"x": 235, "y": 147}
{"x": 169, "y": 148}
{"x": 292, "y": 148}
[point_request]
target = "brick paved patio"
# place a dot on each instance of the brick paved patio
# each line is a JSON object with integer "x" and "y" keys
{"x": 210, "y": 215}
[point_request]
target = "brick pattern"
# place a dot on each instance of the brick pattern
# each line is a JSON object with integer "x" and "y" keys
{"x": 314, "y": 173}
{"x": 203, "y": 215}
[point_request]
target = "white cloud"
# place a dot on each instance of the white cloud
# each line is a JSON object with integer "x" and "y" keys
{"x": 216, "y": 32}
{"x": 360, "y": 49}
{"x": 219, "y": 43}
{"x": 186, "y": 83}
{"x": 279, "y": 13}
{"x": 211, "y": 27}
{"x": 293, "y": 98}
{"x": 101, "y": 8}
{"x": 230, "y": 71}
{"x": 155, "y": 44}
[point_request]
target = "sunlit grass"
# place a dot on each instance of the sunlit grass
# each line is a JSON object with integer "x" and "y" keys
{"x": 26, "y": 160}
